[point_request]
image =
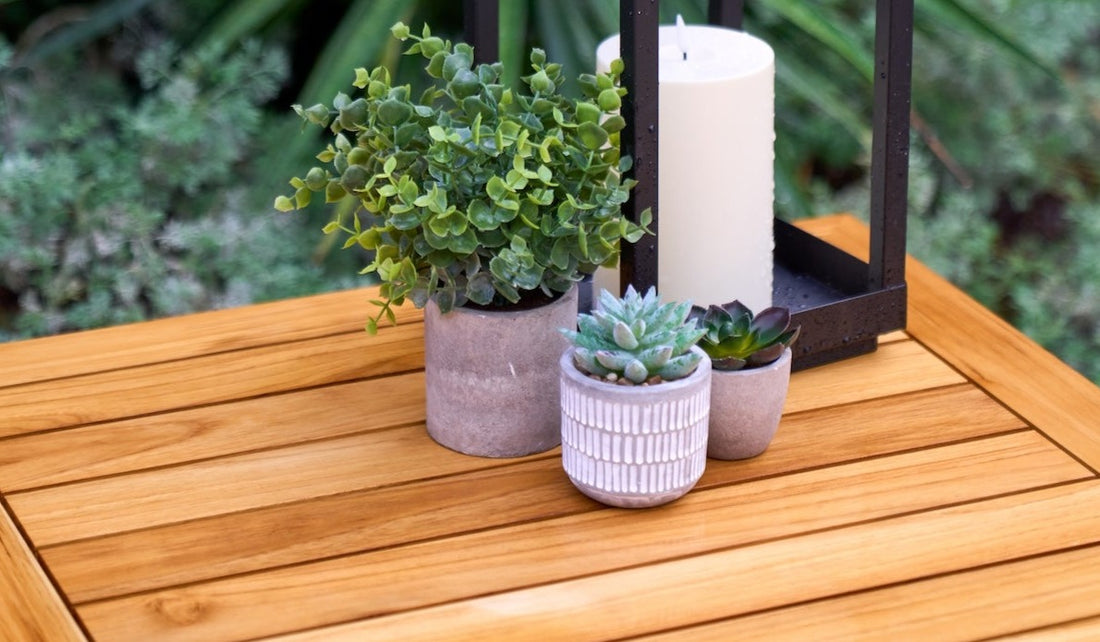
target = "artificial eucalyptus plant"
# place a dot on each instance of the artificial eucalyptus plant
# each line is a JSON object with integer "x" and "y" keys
{"x": 474, "y": 192}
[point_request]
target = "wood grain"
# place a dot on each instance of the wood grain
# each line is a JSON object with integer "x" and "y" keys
{"x": 376, "y": 518}
{"x": 600, "y": 541}
{"x": 30, "y": 608}
{"x": 265, "y": 471}
{"x": 140, "y": 500}
{"x": 194, "y": 335}
{"x": 813, "y": 566}
{"x": 970, "y": 605}
{"x": 230, "y": 484}
{"x": 1079, "y": 631}
{"x": 993, "y": 354}
{"x": 894, "y": 368}
{"x": 160, "y": 387}
{"x": 170, "y": 438}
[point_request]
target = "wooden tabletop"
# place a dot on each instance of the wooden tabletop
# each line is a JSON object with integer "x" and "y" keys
{"x": 265, "y": 472}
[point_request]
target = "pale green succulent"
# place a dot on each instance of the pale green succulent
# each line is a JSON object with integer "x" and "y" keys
{"x": 635, "y": 338}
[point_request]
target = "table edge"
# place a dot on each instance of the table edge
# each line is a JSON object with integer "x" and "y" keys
{"x": 30, "y": 606}
{"x": 1031, "y": 382}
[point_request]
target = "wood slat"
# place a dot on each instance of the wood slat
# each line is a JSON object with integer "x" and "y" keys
{"x": 1079, "y": 631}
{"x": 244, "y": 482}
{"x": 970, "y": 605}
{"x": 188, "y": 336}
{"x": 306, "y": 531}
{"x": 999, "y": 358}
{"x": 653, "y": 597}
{"x": 100, "y": 507}
{"x": 210, "y": 379}
{"x": 30, "y": 608}
{"x": 922, "y": 419}
{"x": 894, "y": 368}
{"x": 171, "y": 438}
{"x": 415, "y": 576}
{"x": 376, "y": 518}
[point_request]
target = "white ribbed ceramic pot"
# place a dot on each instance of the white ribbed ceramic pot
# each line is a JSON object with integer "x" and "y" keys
{"x": 634, "y": 446}
{"x": 490, "y": 379}
{"x": 745, "y": 408}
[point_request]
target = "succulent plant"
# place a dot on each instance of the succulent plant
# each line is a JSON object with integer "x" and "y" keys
{"x": 735, "y": 339}
{"x": 636, "y": 338}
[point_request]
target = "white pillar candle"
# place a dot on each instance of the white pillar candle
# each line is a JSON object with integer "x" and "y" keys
{"x": 716, "y": 149}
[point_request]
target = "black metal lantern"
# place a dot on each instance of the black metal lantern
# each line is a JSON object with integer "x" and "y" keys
{"x": 842, "y": 303}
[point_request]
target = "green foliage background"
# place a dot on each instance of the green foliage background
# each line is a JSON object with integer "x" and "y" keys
{"x": 141, "y": 143}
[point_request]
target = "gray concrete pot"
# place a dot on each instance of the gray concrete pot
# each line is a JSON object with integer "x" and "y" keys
{"x": 491, "y": 377}
{"x": 745, "y": 408}
{"x": 634, "y": 446}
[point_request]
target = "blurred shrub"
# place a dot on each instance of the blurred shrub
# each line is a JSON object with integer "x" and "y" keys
{"x": 1004, "y": 178}
{"x": 128, "y": 200}
{"x": 121, "y": 202}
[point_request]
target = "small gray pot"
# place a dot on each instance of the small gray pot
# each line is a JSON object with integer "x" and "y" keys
{"x": 745, "y": 408}
{"x": 634, "y": 446}
{"x": 491, "y": 377}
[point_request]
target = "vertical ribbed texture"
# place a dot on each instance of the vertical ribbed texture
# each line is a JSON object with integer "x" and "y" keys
{"x": 639, "y": 446}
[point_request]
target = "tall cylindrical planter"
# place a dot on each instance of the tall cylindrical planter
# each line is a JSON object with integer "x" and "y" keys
{"x": 491, "y": 377}
{"x": 634, "y": 446}
{"x": 745, "y": 408}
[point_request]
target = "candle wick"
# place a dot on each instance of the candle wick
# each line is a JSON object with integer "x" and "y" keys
{"x": 681, "y": 36}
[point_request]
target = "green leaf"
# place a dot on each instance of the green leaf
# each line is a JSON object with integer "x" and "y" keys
{"x": 435, "y": 65}
{"x": 302, "y": 197}
{"x": 465, "y": 243}
{"x": 582, "y": 242}
{"x": 479, "y": 288}
{"x": 560, "y": 254}
{"x": 284, "y": 204}
{"x": 407, "y": 190}
{"x": 482, "y": 215}
{"x": 334, "y": 191}
{"x": 587, "y": 113}
{"x": 496, "y": 188}
{"x": 592, "y": 135}
{"x": 545, "y": 175}
{"x": 609, "y": 100}
{"x": 362, "y": 78}
{"x": 400, "y": 31}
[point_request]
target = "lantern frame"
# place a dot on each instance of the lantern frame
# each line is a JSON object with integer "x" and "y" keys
{"x": 842, "y": 303}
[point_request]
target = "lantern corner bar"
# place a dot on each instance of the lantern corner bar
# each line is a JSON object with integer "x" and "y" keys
{"x": 842, "y": 303}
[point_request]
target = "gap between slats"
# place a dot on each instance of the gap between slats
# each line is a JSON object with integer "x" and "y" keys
{"x": 1082, "y": 630}
{"x": 478, "y": 502}
{"x": 558, "y": 559}
{"x": 104, "y": 446}
{"x": 1059, "y": 587}
{"x": 143, "y": 499}
{"x": 182, "y": 337}
{"x": 207, "y": 380}
{"x": 683, "y": 591}
{"x": 204, "y": 433}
